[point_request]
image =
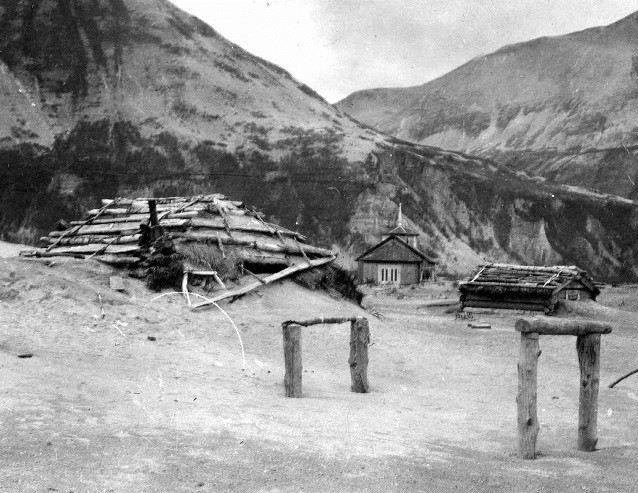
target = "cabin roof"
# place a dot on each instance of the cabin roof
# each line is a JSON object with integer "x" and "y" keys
{"x": 115, "y": 232}
{"x": 394, "y": 249}
{"x": 543, "y": 281}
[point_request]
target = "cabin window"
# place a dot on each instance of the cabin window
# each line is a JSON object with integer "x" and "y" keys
{"x": 390, "y": 274}
{"x": 573, "y": 295}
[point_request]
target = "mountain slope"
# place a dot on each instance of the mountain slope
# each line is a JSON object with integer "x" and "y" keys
{"x": 136, "y": 98}
{"x": 143, "y": 61}
{"x": 564, "y": 107}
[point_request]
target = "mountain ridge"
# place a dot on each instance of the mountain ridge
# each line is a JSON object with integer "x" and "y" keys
{"x": 187, "y": 112}
{"x": 570, "y": 94}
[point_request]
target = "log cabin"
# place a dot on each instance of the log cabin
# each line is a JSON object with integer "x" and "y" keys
{"x": 519, "y": 287}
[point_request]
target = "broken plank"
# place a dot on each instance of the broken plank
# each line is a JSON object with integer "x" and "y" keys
{"x": 267, "y": 280}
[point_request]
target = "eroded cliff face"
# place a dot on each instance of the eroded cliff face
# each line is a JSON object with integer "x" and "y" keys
{"x": 504, "y": 218}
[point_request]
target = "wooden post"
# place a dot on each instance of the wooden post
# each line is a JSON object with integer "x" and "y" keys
{"x": 588, "y": 348}
{"x": 156, "y": 230}
{"x": 526, "y": 399}
{"x": 292, "y": 359}
{"x": 358, "y": 360}
{"x": 152, "y": 209}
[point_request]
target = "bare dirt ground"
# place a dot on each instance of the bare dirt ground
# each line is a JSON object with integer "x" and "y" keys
{"x": 101, "y": 408}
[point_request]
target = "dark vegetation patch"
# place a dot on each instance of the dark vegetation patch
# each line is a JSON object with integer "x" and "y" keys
{"x": 184, "y": 110}
{"x": 309, "y": 91}
{"x": 202, "y": 28}
{"x": 185, "y": 29}
{"x": 165, "y": 270}
{"x": 182, "y": 72}
{"x": 108, "y": 158}
{"x": 231, "y": 69}
{"x": 174, "y": 49}
{"x": 50, "y": 45}
{"x": 506, "y": 114}
{"x": 304, "y": 139}
{"x": 312, "y": 190}
{"x": 23, "y": 133}
{"x": 165, "y": 267}
{"x": 333, "y": 279}
{"x": 587, "y": 124}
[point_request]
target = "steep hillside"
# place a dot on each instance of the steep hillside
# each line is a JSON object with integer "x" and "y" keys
{"x": 136, "y": 98}
{"x": 564, "y": 107}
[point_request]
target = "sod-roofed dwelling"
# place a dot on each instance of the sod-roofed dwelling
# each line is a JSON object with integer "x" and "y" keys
{"x": 518, "y": 287}
{"x": 205, "y": 236}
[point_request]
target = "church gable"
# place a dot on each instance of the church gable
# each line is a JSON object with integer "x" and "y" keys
{"x": 392, "y": 250}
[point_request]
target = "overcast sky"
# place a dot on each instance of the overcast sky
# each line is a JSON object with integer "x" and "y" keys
{"x": 340, "y": 46}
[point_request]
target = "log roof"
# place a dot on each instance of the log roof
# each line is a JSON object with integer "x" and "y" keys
{"x": 118, "y": 231}
{"x": 544, "y": 281}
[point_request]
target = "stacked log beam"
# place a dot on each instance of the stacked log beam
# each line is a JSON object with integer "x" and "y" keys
{"x": 114, "y": 232}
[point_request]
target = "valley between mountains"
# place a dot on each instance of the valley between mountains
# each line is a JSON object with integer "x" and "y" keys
{"x": 137, "y": 98}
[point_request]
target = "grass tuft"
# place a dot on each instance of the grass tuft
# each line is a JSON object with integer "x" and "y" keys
{"x": 331, "y": 278}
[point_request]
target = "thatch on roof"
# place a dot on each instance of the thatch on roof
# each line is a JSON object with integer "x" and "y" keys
{"x": 524, "y": 287}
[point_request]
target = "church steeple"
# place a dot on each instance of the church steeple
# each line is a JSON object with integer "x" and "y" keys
{"x": 401, "y": 231}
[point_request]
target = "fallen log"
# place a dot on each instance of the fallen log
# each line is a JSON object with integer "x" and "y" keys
{"x": 474, "y": 325}
{"x": 267, "y": 280}
{"x": 321, "y": 320}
